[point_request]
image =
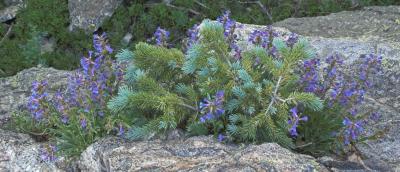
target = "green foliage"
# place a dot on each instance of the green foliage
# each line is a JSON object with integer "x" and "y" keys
{"x": 141, "y": 18}
{"x": 257, "y": 98}
{"x": 32, "y": 50}
{"x": 70, "y": 139}
{"x": 318, "y": 133}
{"x": 32, "y": 26}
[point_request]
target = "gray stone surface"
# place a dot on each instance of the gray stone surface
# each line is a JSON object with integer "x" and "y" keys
{"x": 19, "y": 152}
{"x": 13, "y": 2}
{"x": 89, "y": 14}
{"x": 194, "y": 154}
{"x": 8, "y": 13}
{"x": 371, "y": 23}
{"x": 15, "y": 90}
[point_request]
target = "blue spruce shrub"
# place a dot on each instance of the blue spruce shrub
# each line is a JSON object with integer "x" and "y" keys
{"x": 215, "y": 87}
{"x": 243, "y": 95}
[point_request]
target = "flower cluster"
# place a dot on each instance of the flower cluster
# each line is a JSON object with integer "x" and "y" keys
{"x": 83, "y": 102}
{"x": 100, "y": 43}
{"x": 264, "y": 39}
{"x": 212, "y": 108}
{"x": 62, "y": 106}
{"x": 347, "y": 93}
{"x": 37, "y": 103}
{"x": 161, "y": 36}
{"x": 231, "y": 37}
{"x": 193, "y": 34}
{"x": 292, "y": 39}
{"x": 310, "y": 77}
{"x": 352, "y": 130}
{"x": 372, "y": 64}
{"x": 47, "y": 153}
{"x": 294, "y": 121}
{"x": 260, "y": 38}
{"x": 93, "y": 86}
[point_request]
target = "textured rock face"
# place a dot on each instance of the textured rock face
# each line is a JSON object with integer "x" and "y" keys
{"x": 193, "y": 154}
{"x": 19, "y": 152}
{"x": 89, "y": 14}
{"x": 13, "y": 2}
{"x": 15, "y": 90}
{"x": 11, "y": 9}
{"x": 371, "y": 23}
{"x": 9, "y": 13}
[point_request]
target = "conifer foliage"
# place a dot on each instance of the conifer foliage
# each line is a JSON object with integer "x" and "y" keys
{"x": 243, "y": 95}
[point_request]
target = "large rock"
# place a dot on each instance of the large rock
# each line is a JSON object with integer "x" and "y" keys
{"x": 373, "y": 29}
{"x": 8, "y": 13}
{"x": 371, "y": 23}
{"x": 19, "y": 152}
{"x": 13, "y": 2}
{"x": 194, "y": 154}
{"x": 15, "y": 90}
{"x": 89, "y": 14}
{"x": 11, "y": 9}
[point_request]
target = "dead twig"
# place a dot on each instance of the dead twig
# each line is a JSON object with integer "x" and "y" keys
{"x": 168, "y": 4}
{"x": 6, "y": 35}
{"x": 261, "y": 5}
{"x": 201, "y": 4}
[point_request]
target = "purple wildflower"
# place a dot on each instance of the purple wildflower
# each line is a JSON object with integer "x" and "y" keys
{"x": 83, "y": 123}
{"x": 121, "y": 130}
{"x": 352, "y": 130}
{"x": 292, "y": 39}
{"x": 62, "y": 106}
{"x": 37, "y": 103}
{"x": 375, "y": 116}
{"x": 193, "y": 34}
{"x": 161, "y": 36}
{"x": 310, "y": 77}
{"x": 212, "y": 109}
{"x": 372, "y": 64}
{"x": 100, "y": 44}
{"x": 264, "y": 39}
{"x": 48, "y": 153}
{"x": 229, "y": 32}
{"x": 260, "y": 38}
{"x": 221, "y": 137}
{"x": 294, "y": 121}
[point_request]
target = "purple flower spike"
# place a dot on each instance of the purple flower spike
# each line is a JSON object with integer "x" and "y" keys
{"x": 352, "y": 130}
{"x": 161, "y": 36}
{"x": 121, "y": 130}
{"x": 193, "y": 34}
{"x": 221, "y": 137}
{"x": 292, "y": 39}
{"x": 37, "y": 103}
{"x": 47, "y": 153}
{"x": 83, "y": 123}
{"x": 100, "y": 44}
{"x": 294, "y": 121}
{"x": 231, "y": 37}
{"x": 310, "y": 77}
{"x": 212, "y": 109}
